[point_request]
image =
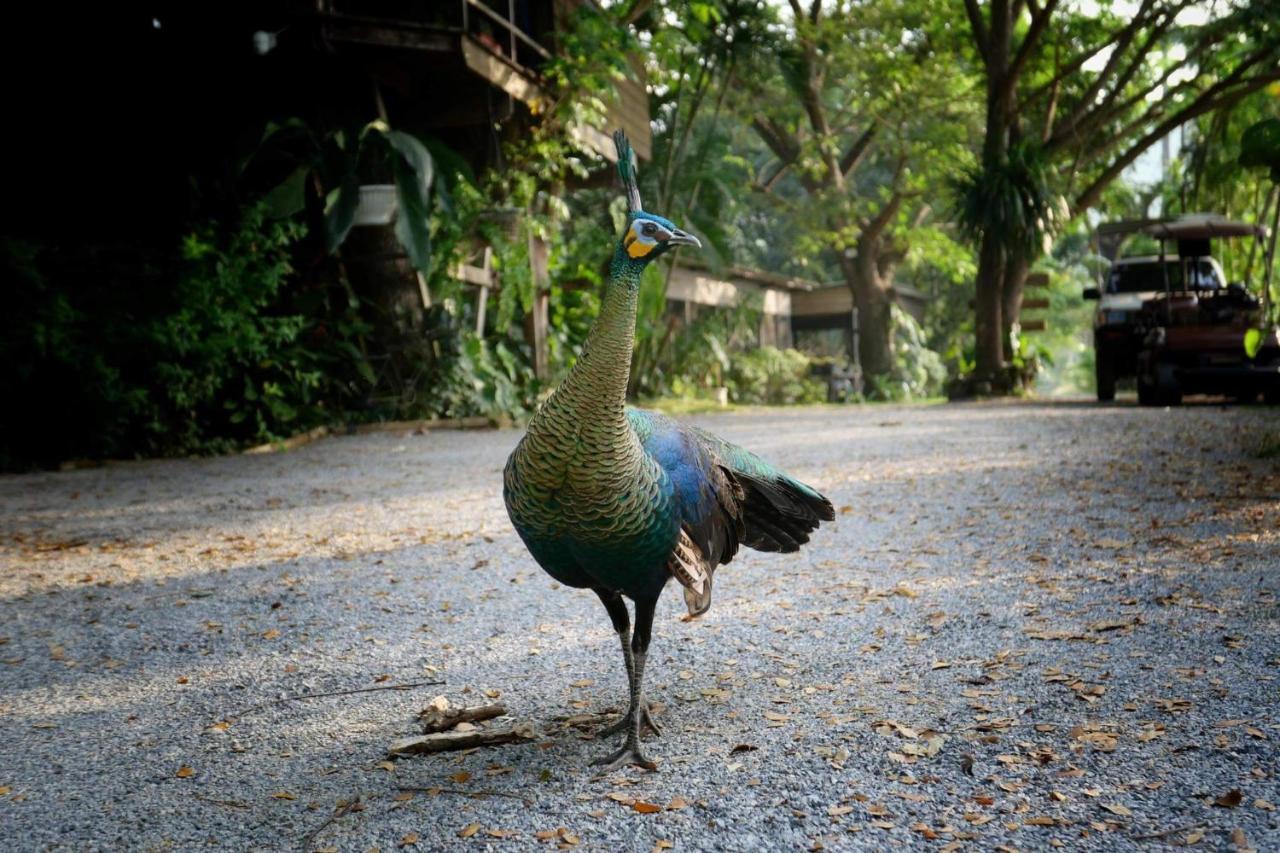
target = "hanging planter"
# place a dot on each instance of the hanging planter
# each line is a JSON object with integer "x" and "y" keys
{"x": 378, "y": 205}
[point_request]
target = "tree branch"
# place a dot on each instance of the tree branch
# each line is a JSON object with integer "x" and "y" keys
{"x": 857, "y": 151}
{"x": 1029, "y": 41}
{"x": 1223, "y": 94}
{"x": 980, "y": 38}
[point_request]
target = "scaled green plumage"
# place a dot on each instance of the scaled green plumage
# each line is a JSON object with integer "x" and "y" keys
{"x": 620, "y": 500}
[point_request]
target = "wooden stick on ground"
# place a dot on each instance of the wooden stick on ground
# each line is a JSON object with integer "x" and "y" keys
{"x": 448, "y": 741}
{"x": 435, "y": 720}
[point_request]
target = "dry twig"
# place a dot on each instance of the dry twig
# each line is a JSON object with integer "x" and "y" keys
{"x": 435, "y": 720}
{"x": 298, "y": 696}
{"x": 448, "y": 741}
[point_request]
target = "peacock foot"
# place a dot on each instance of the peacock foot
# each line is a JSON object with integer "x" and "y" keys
{"x": 646, "y": 719}
{"x": 628, "y": 755}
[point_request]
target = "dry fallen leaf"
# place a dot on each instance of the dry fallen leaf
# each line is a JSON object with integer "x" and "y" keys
{"x": 284, "y": 795}
{"x": 409, "y": 838}
{"x": 461, "y": 776}
{"x": 1116, "y": 808}
{"x": 270, "y": 634}
{"x": 469, "y": 830}
{"x": 1230, "y": 799}
{"x": 646, "y": 808}
{"x": 185, "y": 772}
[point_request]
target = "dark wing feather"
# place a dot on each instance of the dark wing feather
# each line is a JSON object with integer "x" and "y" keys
{"x": 779, "y": 512}
{"x": 728, "y": 496}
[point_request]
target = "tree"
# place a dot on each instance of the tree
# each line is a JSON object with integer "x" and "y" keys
{"x": 866, "y": 116}
{"x": 1072, "y": 99}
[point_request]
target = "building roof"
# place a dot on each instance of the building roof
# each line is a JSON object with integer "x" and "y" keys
{"x": 761, "y": 277}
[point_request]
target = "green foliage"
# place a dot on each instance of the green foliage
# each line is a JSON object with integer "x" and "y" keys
{"x": 340, "y": 161}
{"x": 1012, "y": 198}
{"x": 774, "y": 377}
{"x": 227, "y": 368}
{"x": 670, "y": 356}
{"x": 1260, "y": 147}
{"x": 215, "y": 349}
{"x": 489, "y": 379}
{"x": 917, "y": 371}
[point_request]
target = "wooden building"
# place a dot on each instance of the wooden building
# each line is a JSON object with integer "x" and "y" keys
{"x": 795, "y": 312}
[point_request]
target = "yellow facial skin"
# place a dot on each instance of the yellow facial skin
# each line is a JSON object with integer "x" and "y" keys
{"x": 636, "y": 247}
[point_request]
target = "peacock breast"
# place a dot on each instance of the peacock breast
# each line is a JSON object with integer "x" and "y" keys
{"x": 608, "y": 505}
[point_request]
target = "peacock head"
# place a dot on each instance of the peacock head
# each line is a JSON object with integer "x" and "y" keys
{"x": 649, "y": 236}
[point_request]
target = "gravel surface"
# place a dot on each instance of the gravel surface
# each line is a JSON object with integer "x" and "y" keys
{"x": 1030, "y": 625}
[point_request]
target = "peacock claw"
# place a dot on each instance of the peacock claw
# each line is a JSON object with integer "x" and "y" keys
{"x": 628, "y": 755}
{"x": 623, "y": 724}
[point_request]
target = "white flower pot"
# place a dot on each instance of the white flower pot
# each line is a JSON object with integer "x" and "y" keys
{"x": 377, "y": 206}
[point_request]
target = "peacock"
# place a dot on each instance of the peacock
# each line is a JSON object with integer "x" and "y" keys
{"x": 620, "y": 500}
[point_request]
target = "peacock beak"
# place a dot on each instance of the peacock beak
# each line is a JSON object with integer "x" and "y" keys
{"x": 683, "y": 238}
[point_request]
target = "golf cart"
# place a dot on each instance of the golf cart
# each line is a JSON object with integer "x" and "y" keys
{"x": 1126, "y": 285}
{"x": 1193, "y": 332}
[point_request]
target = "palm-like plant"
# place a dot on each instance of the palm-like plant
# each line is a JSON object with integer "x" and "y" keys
{"x": 1010, "y": 198}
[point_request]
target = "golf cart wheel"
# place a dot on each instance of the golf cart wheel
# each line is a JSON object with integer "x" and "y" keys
{"x": 1147, "y": 395}
{"x": 1105, "y": 374}
{"x": 1168, "y": 391}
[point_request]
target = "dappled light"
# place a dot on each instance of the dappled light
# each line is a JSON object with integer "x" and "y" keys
{"x": 990, "y": 596}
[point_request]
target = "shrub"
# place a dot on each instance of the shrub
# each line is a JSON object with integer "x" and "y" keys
{"x": 774, "y": 377}
{"x": 228, "y": 367}
{"x": 917, "y": 371}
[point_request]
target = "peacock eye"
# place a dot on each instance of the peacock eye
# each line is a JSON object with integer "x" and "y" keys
{"x": 649, "y": 229}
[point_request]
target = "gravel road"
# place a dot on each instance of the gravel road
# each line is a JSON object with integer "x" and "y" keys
{"x": 1030, "y": 625}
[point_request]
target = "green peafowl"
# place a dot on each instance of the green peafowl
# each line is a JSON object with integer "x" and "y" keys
{"x": 618, "y": 500}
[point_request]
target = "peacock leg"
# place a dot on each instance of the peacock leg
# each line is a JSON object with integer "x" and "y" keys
{"x": 630, "y": 753}
{"x": 622, "y": 624}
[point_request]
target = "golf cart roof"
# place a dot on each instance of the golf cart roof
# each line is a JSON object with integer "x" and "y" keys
{"x": 1202, "y": 226}
{"x": 1193, "y": 226}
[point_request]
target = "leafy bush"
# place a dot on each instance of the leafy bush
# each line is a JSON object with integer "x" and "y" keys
{"x": 138, "y": 352}
{"x": 917, "y": 371}
{"x": 228, "y": 367}
{"x": 493, "y": 380}
{"x": 772, "y": 376}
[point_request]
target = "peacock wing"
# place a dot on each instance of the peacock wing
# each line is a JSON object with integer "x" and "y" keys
{"x": 706, "y": 498}
{"x": 778, "y": 511}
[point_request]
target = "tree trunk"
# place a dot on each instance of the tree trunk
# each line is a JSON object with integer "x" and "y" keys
{"x": 871, "y": 298}
{"x": 988, "y": 318}
{"x": 1014, "y": 281}
{"x": 988, "y": 310}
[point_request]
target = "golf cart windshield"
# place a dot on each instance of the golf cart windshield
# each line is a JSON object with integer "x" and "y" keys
{"x": 1145, "y": 277}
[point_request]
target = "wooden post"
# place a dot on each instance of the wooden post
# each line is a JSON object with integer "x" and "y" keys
{"x": 538, "y": 259}
{"x": 482, "y": 300}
